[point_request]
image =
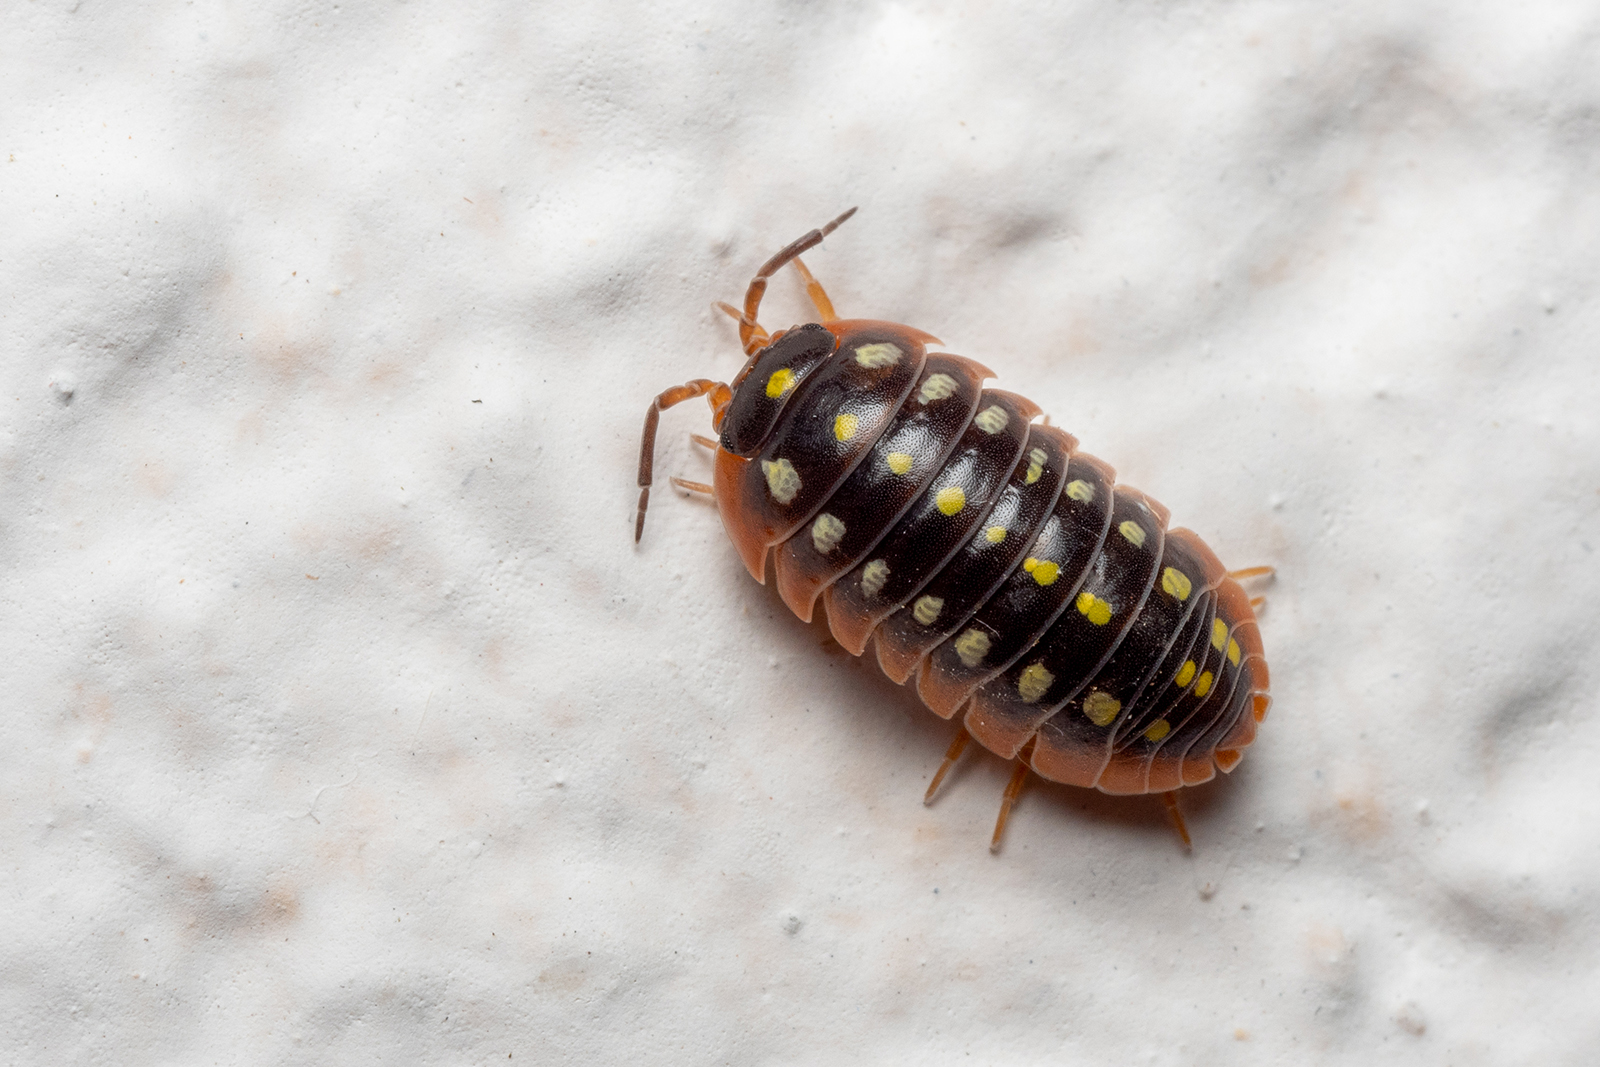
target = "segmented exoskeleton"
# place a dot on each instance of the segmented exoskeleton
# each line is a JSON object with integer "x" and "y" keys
{"x": 979, "y": 551}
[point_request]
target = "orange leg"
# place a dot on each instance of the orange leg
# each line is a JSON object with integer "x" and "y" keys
{"x": 958, "y": 746}
{"x": 748, "y": 325}
{"x": 716, "y": 393}
{"x": 1013, "y": 790}
{"x": 693, "y": 487}
{"x": 1254, "y": 572}
{"x": 701, "y": 439}
{"x": 758, "y": 336}
{"x": 818, "y": 295}
{"x": 1170, "y": 799}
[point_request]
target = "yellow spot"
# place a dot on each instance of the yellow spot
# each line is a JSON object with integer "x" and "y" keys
{"x": 1034, "y": 683}
{"x": 926, "y": 609}
{"x": 1176, "y": 583}
{"x": 1080, "y": 490}
{"x": 1101, "y": 707}
{"x": 781, "y": 382}
{"x": 845, "y": 426}
{"x": 1233, "y": 652}
{"x": 873, "y": 575}
{"x": 899, "y": 462}
{"x": 937, "y": 387}
{"x": 1202, "y": 685}
{"x": 1219, "y": 633}
{"x": 951, "y": 499}
{"x": 1133, "y": 532}
{"x": 1157, "y": 730}
{"x": 878, "y": 356}
{"x": 1036, "y": 458}
{"x": 1093, "y": 608}
{"x": 995, "y": 534}
{"x": 1185, "y": 673}
{"x": 972, "y": 646}
{"x": 826, "y": 532}
{"x": 782, "y": 480}
{"x": 991, "y": 419}
{"x": 1044, "y": 571}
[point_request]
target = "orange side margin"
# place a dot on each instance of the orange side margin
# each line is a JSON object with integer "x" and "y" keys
{"x": 840, "y": 327}
{"x": 749, "y": 537}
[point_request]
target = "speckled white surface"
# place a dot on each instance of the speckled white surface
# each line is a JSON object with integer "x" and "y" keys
{"x": 344, "y": 723}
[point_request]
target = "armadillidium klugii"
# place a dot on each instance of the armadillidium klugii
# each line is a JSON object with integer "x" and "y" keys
{"x": 979, "y": 551}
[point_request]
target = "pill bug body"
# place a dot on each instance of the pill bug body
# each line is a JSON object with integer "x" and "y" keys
{"x": 980, "y": 552}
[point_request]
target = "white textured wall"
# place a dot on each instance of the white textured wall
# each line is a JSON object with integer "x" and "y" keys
{"x": 344, "y": 724}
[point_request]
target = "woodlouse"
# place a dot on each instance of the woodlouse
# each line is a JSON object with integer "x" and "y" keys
{"x": 979, "y": 550}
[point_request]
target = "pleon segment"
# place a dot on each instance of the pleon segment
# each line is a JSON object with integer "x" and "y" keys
{"x": 1233, "y": 690}
{"x": 1150, "y": 721}
{"x": 950, "y": 510}
{"x": 1072, "y": 651}
{"x": 996, "y": 547}
{"x": 1237, "y": 737}
{"x": 1234, "y": 725}
{"x": 1127, "y": 676}
{"x": 1032, "y": 597}
{"x": 766, "y": 498}
{"x": 1196, "y": 711}
{"x": 1245, "y": 642}
{"x": 903, "y": 461}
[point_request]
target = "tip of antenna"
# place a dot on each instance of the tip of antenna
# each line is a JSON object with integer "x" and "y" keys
{"x": 835, "y": 224}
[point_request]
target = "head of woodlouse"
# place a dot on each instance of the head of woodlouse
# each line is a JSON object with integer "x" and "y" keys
{"x": 768, "y": 380}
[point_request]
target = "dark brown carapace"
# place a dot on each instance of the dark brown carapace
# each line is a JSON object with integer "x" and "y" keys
{"x": 979, "y": 551}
